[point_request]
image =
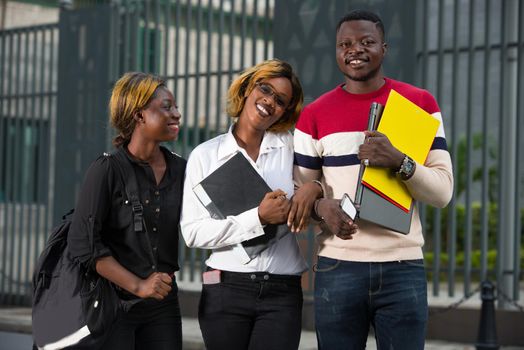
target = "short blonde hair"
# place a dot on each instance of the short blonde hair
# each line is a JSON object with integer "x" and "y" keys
{"x": 131, "y": 93}
{"x": 245, "y": 83}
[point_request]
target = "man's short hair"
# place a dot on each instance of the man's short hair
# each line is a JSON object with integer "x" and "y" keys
{"x": 363, "y": 15}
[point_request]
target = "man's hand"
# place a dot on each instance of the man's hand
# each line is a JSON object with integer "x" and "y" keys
{"x": 274, "y": 208}
{"x": 301, "y": 205}
{"x": 335, "y": 219}
{"x": 379, "y": 151}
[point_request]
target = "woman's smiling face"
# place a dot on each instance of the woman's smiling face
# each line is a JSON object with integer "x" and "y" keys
{"x": 267, "y": 103}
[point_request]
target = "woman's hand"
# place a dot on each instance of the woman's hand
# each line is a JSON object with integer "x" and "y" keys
{"x": 157, "y": 286}
{"x": 274, "y": 208}
{"x": 301, "y": 205}
{"x": 335, "y": 219}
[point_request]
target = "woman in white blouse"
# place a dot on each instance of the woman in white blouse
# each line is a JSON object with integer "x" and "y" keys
{"x": 254, "y": 305}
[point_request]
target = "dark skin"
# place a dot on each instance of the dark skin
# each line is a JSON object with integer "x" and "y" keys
{"x": 259, "y": 113}
{"x": 302, "y": 204}
{"x": 158, "y": 122}
{"x": 360, "y": 52}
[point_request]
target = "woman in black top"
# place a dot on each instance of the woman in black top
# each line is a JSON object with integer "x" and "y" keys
{"x": 141, "y": 265}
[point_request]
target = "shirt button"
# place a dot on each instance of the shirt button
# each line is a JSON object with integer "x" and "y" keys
{"x": 157, "y": 193}
{"x": 154, "y": 229}
{"x": 155, "y": 248}
{"x": 153, "y": 267}
{"x": 147, "y": 201}
{"x": 157, "y": 210}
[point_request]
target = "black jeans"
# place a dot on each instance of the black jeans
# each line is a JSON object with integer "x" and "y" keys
{"x": 251, "y": 311}
{"x": 149, "y": 325}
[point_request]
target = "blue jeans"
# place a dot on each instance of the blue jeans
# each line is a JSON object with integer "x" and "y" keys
{"x": 351, "y": 296}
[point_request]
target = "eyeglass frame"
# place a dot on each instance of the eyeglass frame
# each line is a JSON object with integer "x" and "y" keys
{"x": 279, "y": 101}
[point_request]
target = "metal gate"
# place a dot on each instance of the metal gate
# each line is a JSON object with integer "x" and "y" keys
{"x": 53, "y": 117}
{"x": 470, "y": 55}
{"x": 28, "y": 90}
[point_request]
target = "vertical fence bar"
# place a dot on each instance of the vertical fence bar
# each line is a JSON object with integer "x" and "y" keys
{"x": 219, "y": 66}
{"x": 452, "y": 208}
{"x": 42, "y": 149}
{"x": 186, "y": 74}
{"x": 51, "y": 115}
{"x": 267, "y": 17}
{"x": 146, "y": 67}
{"x": 4, "y": 64}
{"x": 231, "y": 43}
{"x": 15, "y": 170}
{"x": 134, "y": 28}
{"x": 436, "y": 211}
{"x": 209, "y": 47}
{"x": 167, "y": 30}
{"x": 519, "y": 173}
{"x": 189, "y": 26}
{"x": 423, "y": 80}
{"x": 27, "y": 169}
{"x": 196, "y": 96}
{"x": 178, "y": 97}
{"x": 157, "y": 37}
{"x": 243, "y": 34}
{"x": 176, "y": 63}
{"x": 502, "y": 79}
{"x": 485, "y": 206}
{"x": 469, "y": 151}
{"x": 508, "y": 143}
{"x": 37, "y": 125}
{"x": 126, "y": 24}
{"x": 254, "y": 19}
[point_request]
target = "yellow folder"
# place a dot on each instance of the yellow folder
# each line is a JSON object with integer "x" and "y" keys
{"x": 412, "y": 131}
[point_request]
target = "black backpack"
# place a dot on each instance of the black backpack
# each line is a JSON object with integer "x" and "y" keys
{"x": 73, "y": 307}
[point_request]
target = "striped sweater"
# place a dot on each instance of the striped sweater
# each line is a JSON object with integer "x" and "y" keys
{"x": 327, "y": 138}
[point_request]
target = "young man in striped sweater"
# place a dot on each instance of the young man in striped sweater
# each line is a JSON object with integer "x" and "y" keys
{"x": 366, "y": 274}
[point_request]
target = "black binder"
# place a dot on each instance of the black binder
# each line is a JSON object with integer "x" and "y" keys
{"x": 234, "y": 188}
{"x": 373, "y": 207}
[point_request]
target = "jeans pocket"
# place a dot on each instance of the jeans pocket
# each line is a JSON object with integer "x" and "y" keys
{"x": 414, "y": 263}
{"x": 325, "y": 264}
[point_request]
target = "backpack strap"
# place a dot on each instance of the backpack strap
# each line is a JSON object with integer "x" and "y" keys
{"x": 131, "y": 187}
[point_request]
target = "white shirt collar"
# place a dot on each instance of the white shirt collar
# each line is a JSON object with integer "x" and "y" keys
{"x": 229, "y": 146}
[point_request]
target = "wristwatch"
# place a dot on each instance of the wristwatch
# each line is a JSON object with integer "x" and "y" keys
{"x": 407, "y": 168}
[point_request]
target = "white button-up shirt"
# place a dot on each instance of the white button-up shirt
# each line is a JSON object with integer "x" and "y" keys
{"x": 275, "y": 165}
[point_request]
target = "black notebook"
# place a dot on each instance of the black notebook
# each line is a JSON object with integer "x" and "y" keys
{"x": 234, "y": 188}
{"x": 373, "y": 207}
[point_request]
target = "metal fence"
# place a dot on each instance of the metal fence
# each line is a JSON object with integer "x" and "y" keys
{"x": 53, "y": 120}
{"x": 470, "y": 55}
{"x": 28, "y": 66}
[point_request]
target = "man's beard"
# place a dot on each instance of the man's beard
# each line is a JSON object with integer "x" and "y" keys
{"x": 366, "y": 77}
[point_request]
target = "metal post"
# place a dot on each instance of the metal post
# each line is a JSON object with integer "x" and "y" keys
{"x": 487, "y": 334}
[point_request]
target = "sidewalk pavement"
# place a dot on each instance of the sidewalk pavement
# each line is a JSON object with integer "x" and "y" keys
{"x": 18, "y": 320}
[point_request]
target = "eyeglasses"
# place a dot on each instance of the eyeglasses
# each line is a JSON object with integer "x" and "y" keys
{"x": 268, "y": 91}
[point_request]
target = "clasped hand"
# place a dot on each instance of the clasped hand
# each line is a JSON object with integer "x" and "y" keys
{"x": 379, "y": 151}
{"x": 157, "y": 286}
{"x": 274, "y": 208}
